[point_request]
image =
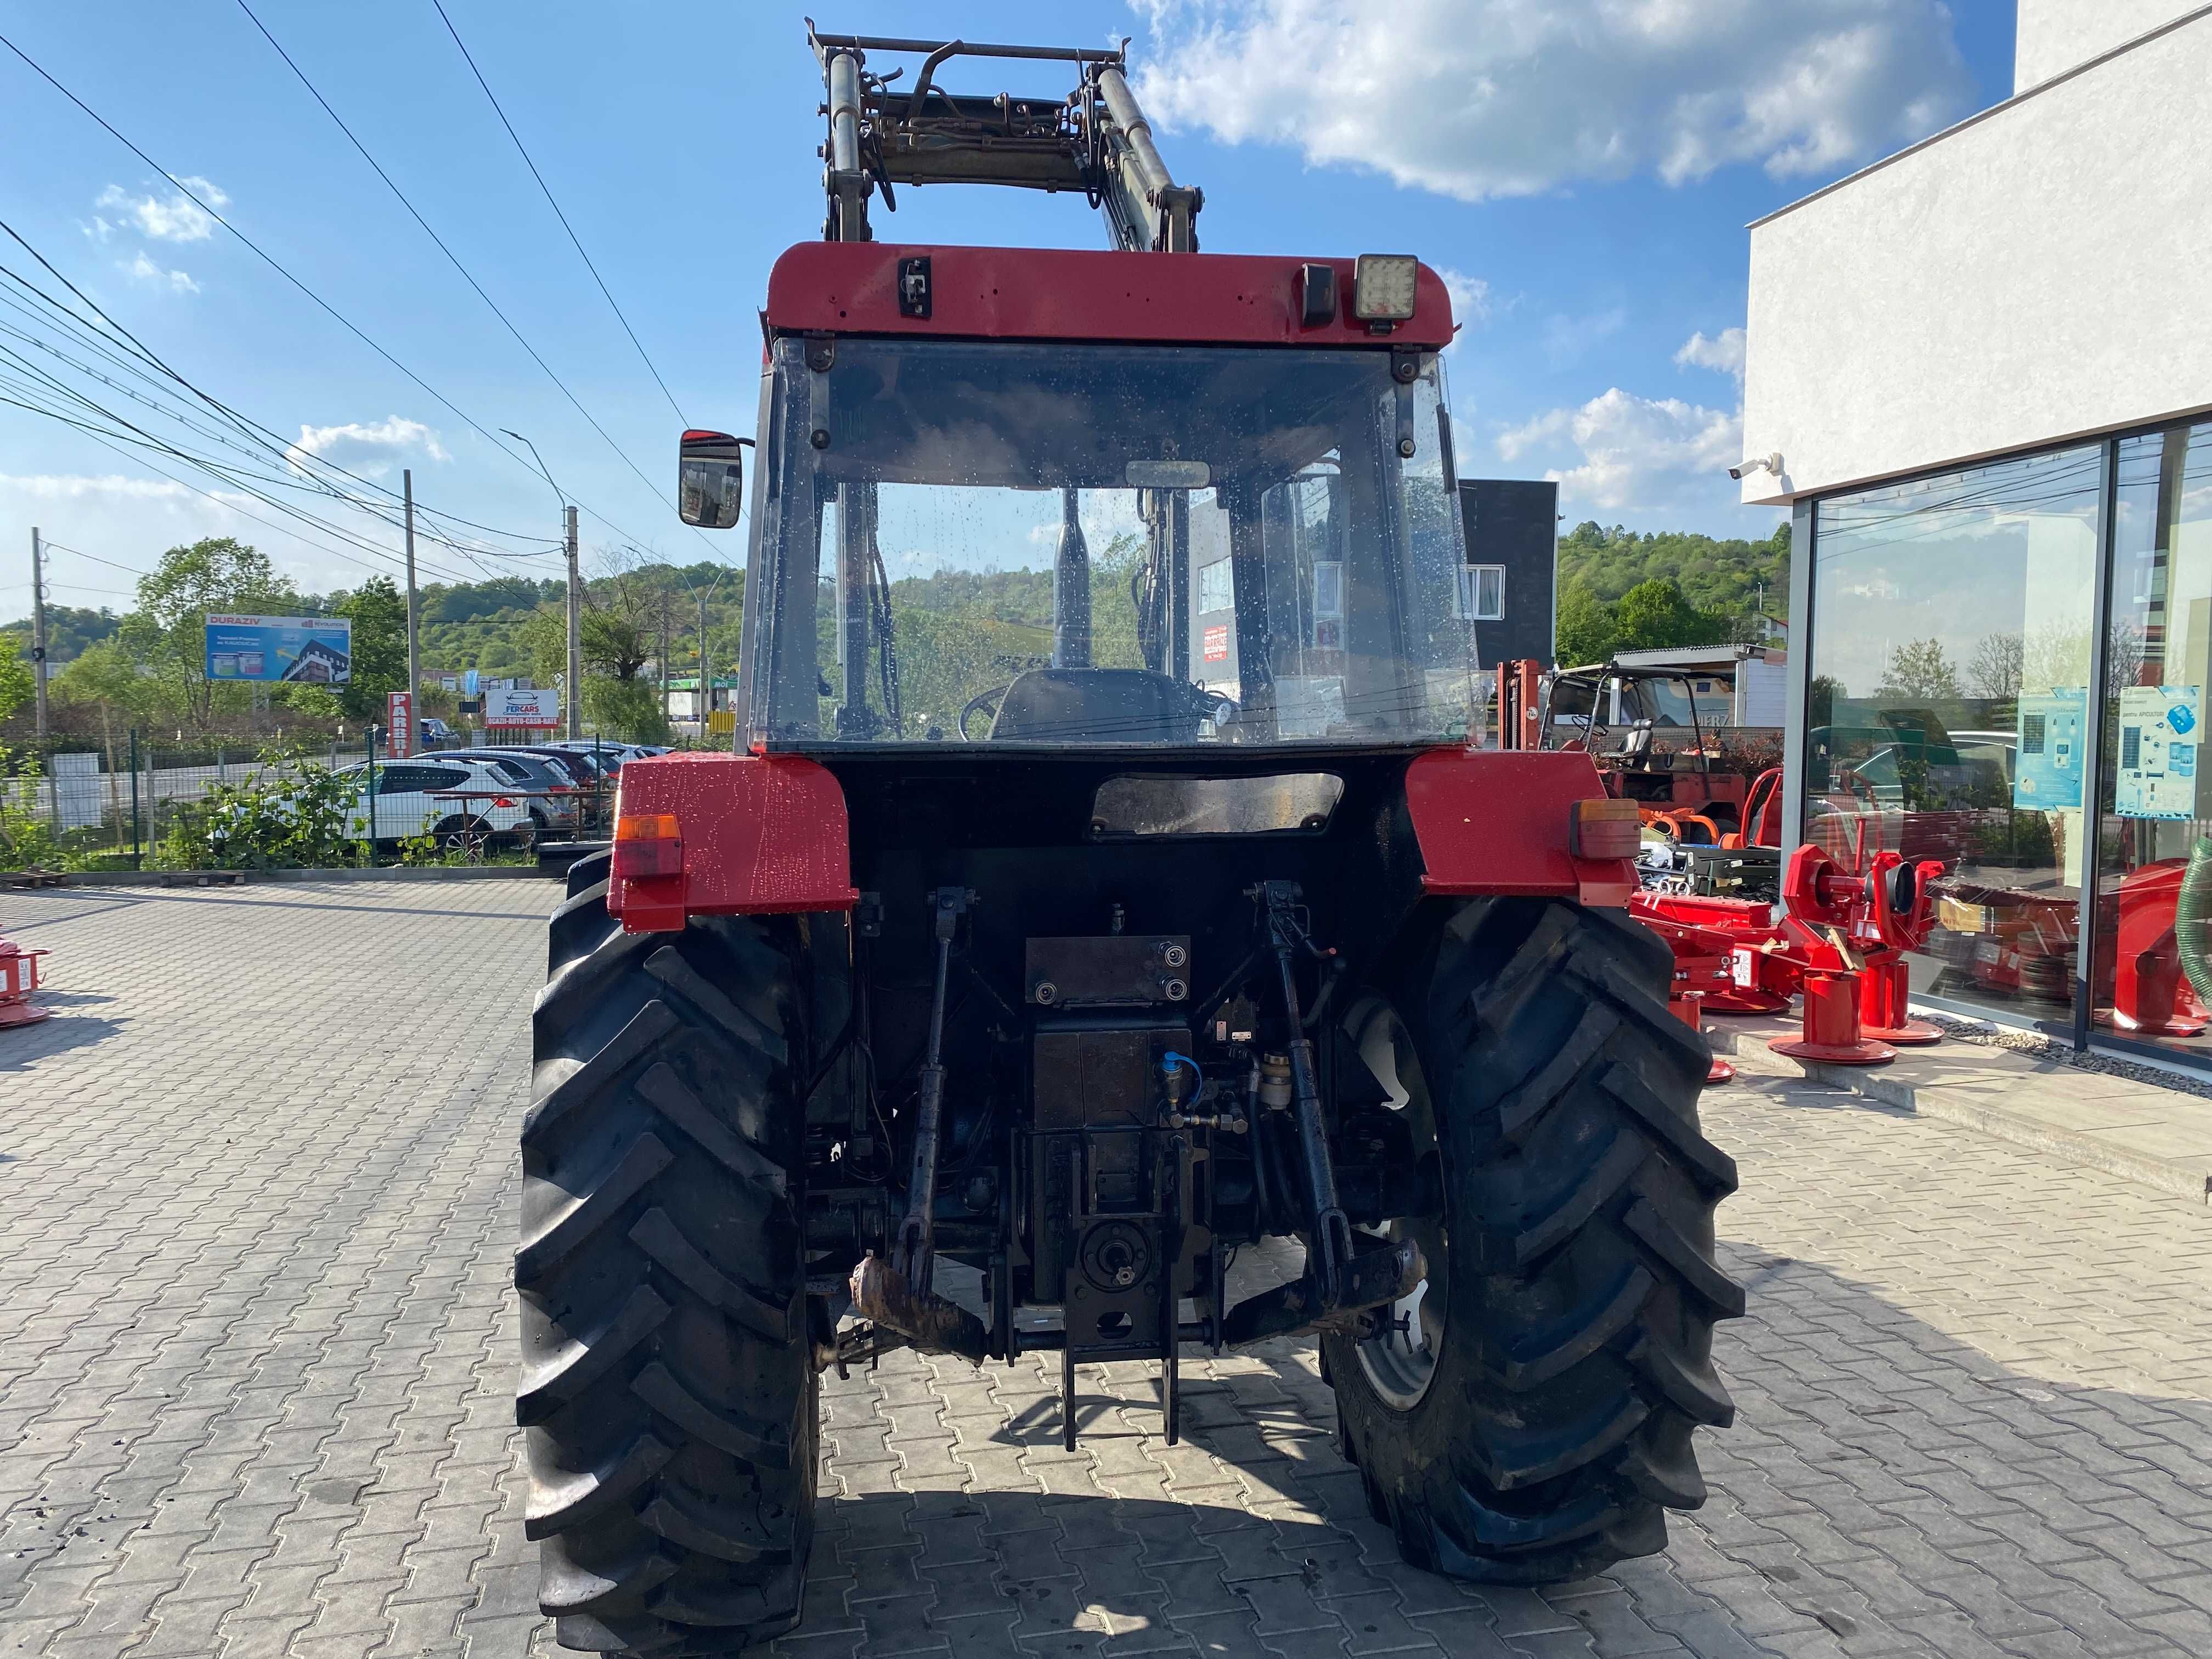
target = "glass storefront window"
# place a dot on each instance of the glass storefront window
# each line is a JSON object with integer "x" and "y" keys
{"x": 2151, "y": 791}
{"x": 1951, "y": 633}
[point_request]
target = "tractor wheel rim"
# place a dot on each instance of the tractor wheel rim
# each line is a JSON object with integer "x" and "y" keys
{"x": 1399, "y": 1361}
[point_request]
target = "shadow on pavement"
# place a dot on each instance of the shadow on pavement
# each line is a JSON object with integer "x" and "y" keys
{"x": 1886, "y": 1486}
{"x": 21, "y": 1045}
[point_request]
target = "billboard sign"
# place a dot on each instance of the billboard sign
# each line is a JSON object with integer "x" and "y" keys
{"x": 506, "y": 706}
{"x": 399, "y": 724}
{"x": 300, "y": 650}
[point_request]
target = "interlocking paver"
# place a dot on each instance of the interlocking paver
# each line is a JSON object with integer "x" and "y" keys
{"x": 256, "y": 1343}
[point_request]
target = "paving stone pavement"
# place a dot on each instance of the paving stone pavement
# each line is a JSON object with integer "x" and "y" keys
{"x": 257, "y": 1187}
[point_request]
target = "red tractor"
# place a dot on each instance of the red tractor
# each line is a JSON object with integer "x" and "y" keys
{"x": 1051, "y": 933}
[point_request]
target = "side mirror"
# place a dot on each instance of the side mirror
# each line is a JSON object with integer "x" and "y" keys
{"x": 710, "y": 486}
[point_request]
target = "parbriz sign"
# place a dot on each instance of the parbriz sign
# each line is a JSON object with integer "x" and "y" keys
{"x": 540, "y": 707}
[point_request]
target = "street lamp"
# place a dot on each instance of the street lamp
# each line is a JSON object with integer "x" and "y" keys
{"x": 573, "y": 692}
{"x": 706, "y": 675}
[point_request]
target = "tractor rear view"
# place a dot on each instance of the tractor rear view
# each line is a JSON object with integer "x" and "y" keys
{"x": 1102, "y": 882}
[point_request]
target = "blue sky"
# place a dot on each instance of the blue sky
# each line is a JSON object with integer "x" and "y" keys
{"x": 1588, "y": 204}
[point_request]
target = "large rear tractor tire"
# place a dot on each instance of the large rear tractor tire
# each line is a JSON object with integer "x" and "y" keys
{"x": 667, "y": 1380}
{"x": 1528, "y": 1417}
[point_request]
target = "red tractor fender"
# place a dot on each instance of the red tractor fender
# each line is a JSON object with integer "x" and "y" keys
{"x": 754, "y": 834}
{"x": 1502, "y": 821}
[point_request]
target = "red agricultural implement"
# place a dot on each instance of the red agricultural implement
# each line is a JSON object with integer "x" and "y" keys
{"x": 19, "y": 978}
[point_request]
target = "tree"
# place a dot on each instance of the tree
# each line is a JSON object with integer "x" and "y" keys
{"x": 167, "y": 631}
{"x": 379, "y": 615}
{"x": 109, "y": 677}
{"x": 16, "y": 684}
{"x": 70, "y": 631}
{"x": 1994, "y": 670}
{"x": 1736, "y": 577}
{"x": 1586, "y": 629}
{"x": 1657, "y": 614}
{"x": 1919, "y": 671}
{"x": 630, "y": 710}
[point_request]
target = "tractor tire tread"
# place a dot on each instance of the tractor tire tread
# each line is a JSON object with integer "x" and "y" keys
{"x": 1576, "y": 1358}
{"x": 668, "y": 1386}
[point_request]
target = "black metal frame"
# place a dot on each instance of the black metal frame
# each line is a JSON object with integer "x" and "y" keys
{"x": 955, "y": 968}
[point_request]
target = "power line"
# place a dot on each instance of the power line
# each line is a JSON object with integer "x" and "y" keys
{"x": 455, "y": 260}
{"x": 80, "y": 328}
{"x": 469, "y": 58}
{"x": 235, "y": 476}
{"x": 271, "y": 260}
{"x": 53, "y": 546}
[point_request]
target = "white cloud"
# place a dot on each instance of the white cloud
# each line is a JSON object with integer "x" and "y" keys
{"x": 144, "y": 269}
{"x": 1622, "y": 451}
{"x": 1475, "y": 99}
{"x": 173, "y": 218}
{"x": 367, "y": 448}
{"x": 99, "y": 229}
{"x": 1470, "y": 296}
{"x": 76, "y": 487}
{"x": 1723, "y": 353}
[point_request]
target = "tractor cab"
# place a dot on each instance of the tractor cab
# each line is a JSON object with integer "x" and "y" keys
{"x": 1205, "y": 512}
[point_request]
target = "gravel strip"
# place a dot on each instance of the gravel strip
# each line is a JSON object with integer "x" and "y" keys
{"x": 2064, "y": 1053}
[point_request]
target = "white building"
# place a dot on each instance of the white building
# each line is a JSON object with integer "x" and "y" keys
{"x": 1984, "y": 364}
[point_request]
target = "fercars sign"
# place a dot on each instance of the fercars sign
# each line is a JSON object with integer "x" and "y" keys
{"x": 505, "y": 706}
{"x": 301, "y": 650}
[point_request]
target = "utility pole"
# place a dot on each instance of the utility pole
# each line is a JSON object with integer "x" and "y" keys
{"x": 706, "y": 704}
{"x": 575, "y": 689}
{"x": 414, "y": 642}
{"x": 38, "y": 638}
{"x": 667, "y": 641}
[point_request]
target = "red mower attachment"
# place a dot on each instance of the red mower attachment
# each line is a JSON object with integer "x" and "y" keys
{"x": 1728, "y": 949}
{"x": 19, "y": 977}
{"x": 1848, "y": 934}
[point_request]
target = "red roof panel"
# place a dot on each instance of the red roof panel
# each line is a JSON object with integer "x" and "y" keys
{"x": 1076, "y": 293}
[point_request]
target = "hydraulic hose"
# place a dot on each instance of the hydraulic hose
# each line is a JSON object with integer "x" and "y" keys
{"x": 2192, "y": 919}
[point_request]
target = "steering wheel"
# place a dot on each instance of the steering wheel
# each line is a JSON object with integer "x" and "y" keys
{"x": 974, "y": 705}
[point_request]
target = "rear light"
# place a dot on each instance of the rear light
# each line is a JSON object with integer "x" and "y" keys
{"x": 1605, "y": 829}
{"x": 647, "y": 846}
{"x": 1382, "y": 287}
{"x": 502, "y": 801}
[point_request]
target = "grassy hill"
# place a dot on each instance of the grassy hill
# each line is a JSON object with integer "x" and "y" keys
{"x": 1713, "y": 575}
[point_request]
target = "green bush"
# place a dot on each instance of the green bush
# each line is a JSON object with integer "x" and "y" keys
{"x": 27, "y": 838}
{"x": 289, "y": 814}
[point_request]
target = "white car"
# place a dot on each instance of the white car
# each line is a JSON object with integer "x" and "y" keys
{"x": 436, "y": 796}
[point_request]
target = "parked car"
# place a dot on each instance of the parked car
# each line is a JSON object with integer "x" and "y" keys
{"x": 446, "y": 798}
{"x": 592, "y": 774}
{"x": 555, "y": 800}
{"x": 436, "y": 734}
{"x": 608, "y": 755}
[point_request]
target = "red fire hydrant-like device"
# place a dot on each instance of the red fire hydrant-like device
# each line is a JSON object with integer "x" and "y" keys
{"x": 19, "y": 977}
{"x": 1848, "y": 936}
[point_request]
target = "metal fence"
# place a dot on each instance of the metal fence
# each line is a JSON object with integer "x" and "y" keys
{"x": 110, "y": 805}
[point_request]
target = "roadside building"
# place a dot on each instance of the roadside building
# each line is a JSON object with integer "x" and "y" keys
{"x": 1979, "y": 375}
{"x": 1509, "y": 587}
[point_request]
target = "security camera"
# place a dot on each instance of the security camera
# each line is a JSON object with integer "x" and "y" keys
{"x": 1758, "y": 463}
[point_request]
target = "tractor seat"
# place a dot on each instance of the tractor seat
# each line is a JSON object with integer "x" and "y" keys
{"x": 1097, "y": 705}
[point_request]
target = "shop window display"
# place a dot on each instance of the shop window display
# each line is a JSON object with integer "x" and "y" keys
{"x": 1951, "y": 637}
{"x": 2155, "y": 804}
